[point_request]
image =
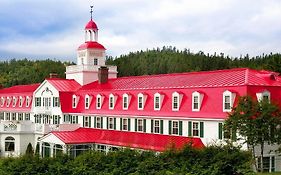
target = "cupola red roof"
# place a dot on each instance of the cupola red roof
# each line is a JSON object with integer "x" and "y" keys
{"x": 91, "y": 25}
{"x": 91, "y": 45}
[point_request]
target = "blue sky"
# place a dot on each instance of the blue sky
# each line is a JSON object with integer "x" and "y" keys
{"x": 54, "y": 28}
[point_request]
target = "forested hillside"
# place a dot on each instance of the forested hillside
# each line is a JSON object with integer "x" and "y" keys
{"x": 156, "y": 61}
{"x": 169, "y": 60}
{"x": 25, "y": 71}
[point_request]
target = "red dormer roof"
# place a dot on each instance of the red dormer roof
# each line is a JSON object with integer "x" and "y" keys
{"x": 91, "y": 25}
{"x": 64, "y": 85}
{"x": 155, "y": 142}
{"x": 19, "y": 89}
{"x": 91, "y": 45}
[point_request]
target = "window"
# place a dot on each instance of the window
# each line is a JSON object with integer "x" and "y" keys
{"x": 74, "y": 101}
{"x": 56, "y": 119}
{"x": 99, "y": 122}
{"x": 56, "y": 102}
{"x": 110, "y": 123}
{"x": 2, "y": 101}
{"x": 27, "y": 101}
{"x": 47, "y": 102}
{"x": 20, "y": 116}
{"x": 14, "y": 116}
{"x": 156, "y": 128}
{"x": 111, "y": 101}
{"x": 175, "y": 103}
{"x": 99, "y": 101}
{"x": 10, "y": 144}
{"x": 125, "y": 102}
{"x": 8, "y": 116}
{"x": 8, "y": 101}
{"x": 20, "y": 101}
{"x": 140, "y": 101}
{"x": 26, "y": 116}
{"x": 125, "y": 124}
{"x": 87, "y": 121}
{"x": 195, "y": 129}
{"x": 197, "y": 99}
{"x": 87, "y": 102}
{"x": 268, "y": 164}
{"x": 37, "y": 101}
{"x": 228, "y": 99}
{"x": 14, "y": 101}
{"x": 175, "y": 127}
{"x": 157, "y": 101}
{"x": 1, "y": 115}
{"x": 265, "y": 95}
{"x": 95, "y": 61}
{"x": 140, "y": 125}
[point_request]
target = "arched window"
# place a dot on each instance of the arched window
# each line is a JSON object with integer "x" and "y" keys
{"x": 9, "y": 144}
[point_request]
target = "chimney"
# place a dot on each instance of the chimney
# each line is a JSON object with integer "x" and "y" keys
{"x": 103, "y": 74}
{"x": 53, "y": 75}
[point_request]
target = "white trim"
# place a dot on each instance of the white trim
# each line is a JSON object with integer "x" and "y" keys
{"x": 260, "y": 95}
{"x": 200, "y": 100}
{"x": 89, "y": 101}
{"x": 128, "y": 101}
{"x": 179, "y": 96}
{"x": 161, "y": 97}
{"x": 143, "y": 100}
{"x": 27, "y": 101}
{"x": 99, "y": 96}
{"x": 113, "y": 98}
{"x": 74, "y": 101}
{"x": 232, "y": 96}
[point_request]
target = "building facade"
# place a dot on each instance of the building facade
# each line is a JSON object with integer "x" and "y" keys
{"x": 93, "y": 109}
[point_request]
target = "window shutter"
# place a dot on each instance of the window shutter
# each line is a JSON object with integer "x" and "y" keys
{"x": 170, "y": 127}
{"x": 201, "y": 129}
{"x": 101, "y": 119}
{"x": 180, "y": 128}
{"x": 144, "y": 125}
{"x": 53, "y": 101}
{"x": 95, "y": 122}
{"x": 161, "y": 126}
{"x": 90, "y": 121}
{"x": 107, "y": 119}
{"x": 63, "y": 118}
{"x": 220, "y": 130}
{"x": 129, "y": 124}
{"x": 189, "y": 129}
{"x": 136, "y": 124}
{"x": 121, "y": 123}
{"x": 152, "y": 131}
{"x": 114, "y": 123}
{"x": 83, "y": 121}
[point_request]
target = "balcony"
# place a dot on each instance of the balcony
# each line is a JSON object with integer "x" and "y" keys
{"x": 16, "y": 126}
{"x": 93, "y": 68}
{"x": 46, "y": 128}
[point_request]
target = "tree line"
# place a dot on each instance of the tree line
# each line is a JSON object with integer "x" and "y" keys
{"x": 223, "y": 160}
{"x": 148, "y": 62}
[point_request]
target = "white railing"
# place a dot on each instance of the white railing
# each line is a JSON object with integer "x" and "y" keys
{"x": 77, "y": 68}
{"x": 16, "y": 126}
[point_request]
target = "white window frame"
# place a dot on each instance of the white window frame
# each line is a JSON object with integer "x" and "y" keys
{"x": 74, "y": 101}
{"x": 178, "y": 96}
{"x": 261, "y": 95}
{"x": 128, "y": 97}
{"x": 27, "y": 101}
{"x": 111, "y": 101}
{"x": 2, "y": 101}
{"x": 231, "y": 100}
{"x": 155, "y": 126}
{"x": 87, "y": 101}
{"x": 96, "y": 61}
{"x": 125, "y": 124}
{"x": 140, "y": 128}
{"x": 195, "y": 129}
{"x": 142, "y": 101}
{"x": 157, "y": 105}
{"x": 200, "y": 97}
{"x": 8, "y": 101}
{"x": 99, "y": 101}
{"x": 56, "y": 101}
{"x": 14, "y": 101}
{"x": 177, "y": 128}
{"x": 110, "y": 123}
{"x": 99, "y": 122}
{"x": 86, "y": 121}
{"x": 20, "y": 101}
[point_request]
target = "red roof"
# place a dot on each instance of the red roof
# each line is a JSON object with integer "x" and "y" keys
{"x": 64, "y": 85}
{"x": 19, "y": 89}
{"x": 91, "y": 45}
{"x": 217, "y": 78}
{"x": 91, "y": 25}
{"x": 155, "y": 142}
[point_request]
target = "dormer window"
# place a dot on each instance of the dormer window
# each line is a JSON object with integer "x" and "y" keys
{"x": 8, "y": 101}
{"x": 112, "y": 100}
{"x": 74, "y": 101}
{"x": 141, "y": 101}
{"x": 264, "y": 95}
{"x": 87, "y": 101}
{"x": 20, "y": 101}
{"x": 27, "y": 101}
{"x": 126, "y": 101}
{"x": 99, "y": 101}
{"x": 197, "y": 99}
{"x": 2, "y": 101}
{"x": 158, "y": 98}
{"x": 228, "y": 101}
{"x": 176, "y": 99}
{"x": 14, "y": 101}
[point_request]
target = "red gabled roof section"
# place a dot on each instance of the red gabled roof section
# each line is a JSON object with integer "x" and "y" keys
{"x": 218, "y": 78}
{"x": 19, "y": 89}
{"x": 64, "y": 85}
{"x": 154, "y": 142}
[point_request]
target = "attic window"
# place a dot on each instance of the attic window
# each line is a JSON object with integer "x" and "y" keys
{"x": 176, "y": 99}
{"x": 2, "y": 101}
{"x": 141, "y": 101}
{"x": 228, "y": 101}
{"x": 20, "y": 101}
{"x": 74, "y": 101}
{"x": 87, "y": 101}
{"x": 126, "y": 101}
{"x": 112, "y": 100}
{"x": 158, "y": 99}
{"x": 99, "y": 101}
{"x": 8, "y": 101}
{"x": 27, "y": 101}
{"x": 265, "y": 95}
{"x": 197, "y": 99}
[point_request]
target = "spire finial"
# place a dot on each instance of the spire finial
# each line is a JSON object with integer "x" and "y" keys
{"x": 91, "y": 12}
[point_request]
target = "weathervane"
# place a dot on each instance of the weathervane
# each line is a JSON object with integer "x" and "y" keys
{"x": 91, "y": 12}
